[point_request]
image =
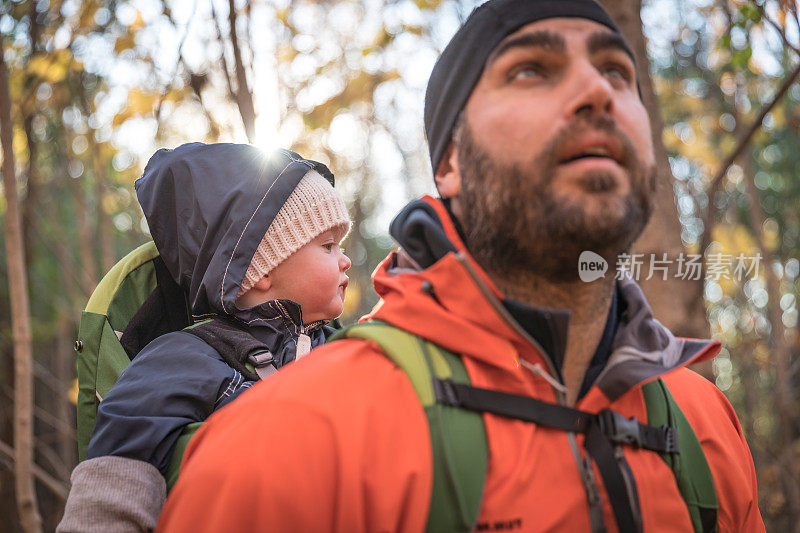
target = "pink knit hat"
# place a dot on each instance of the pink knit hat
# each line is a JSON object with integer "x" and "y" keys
{"x": 314, "y": 207}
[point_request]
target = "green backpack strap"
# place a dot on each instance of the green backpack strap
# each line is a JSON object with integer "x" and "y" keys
{"x": 458, "y": 436}
{"x": 101, "y": 357}
{"x": 690, "y": 466}
{"x": 177, "y": 453}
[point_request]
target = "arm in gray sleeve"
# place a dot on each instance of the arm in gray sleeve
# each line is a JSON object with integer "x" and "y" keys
{"x": 113, "y": 494}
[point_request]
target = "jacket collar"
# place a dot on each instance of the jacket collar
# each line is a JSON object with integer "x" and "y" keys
{"x": 277, "y": 324}
{"x": 435, "y": 289}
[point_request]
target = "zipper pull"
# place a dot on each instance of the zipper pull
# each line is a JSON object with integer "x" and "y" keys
{"x": 539, "y": 371}
{"x": 303, "y": 346}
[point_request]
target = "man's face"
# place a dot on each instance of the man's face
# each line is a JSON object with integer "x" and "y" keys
{"x": 554, "y": 153}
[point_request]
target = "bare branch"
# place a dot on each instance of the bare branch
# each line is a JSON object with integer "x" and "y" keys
{"x": 244, "y": 98}
{"x": 781, "y": 30}
{"x": 55, "y": 486}
{"x": 225, "y": 69}
{"x": 47, "y": 453}
{"x": 178, "y": 64}
{"x": 741, "y": 144}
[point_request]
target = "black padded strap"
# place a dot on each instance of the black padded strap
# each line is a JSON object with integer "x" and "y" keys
{"x": 605, "y": 432}
{"x": 175, "y": 301}
{"x": 164, "y": 310}
{"x": 614, "y": 426}
{"x": 233, "y": 343}
{"x": 600, "y": 449}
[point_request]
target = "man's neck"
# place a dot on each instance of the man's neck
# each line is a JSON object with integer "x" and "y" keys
{"x": 588, "y": 304}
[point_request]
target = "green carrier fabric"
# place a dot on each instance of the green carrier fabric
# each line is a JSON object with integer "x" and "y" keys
{"x": 135, "y": 302}
{"x": 458, "y": 436}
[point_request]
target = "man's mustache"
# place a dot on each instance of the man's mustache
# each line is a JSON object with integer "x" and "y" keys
{"x": 578, "y": 126}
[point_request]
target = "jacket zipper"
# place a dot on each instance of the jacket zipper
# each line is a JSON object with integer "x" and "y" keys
{"x": 303, "y": 342}
{"x": 584, "y": 466}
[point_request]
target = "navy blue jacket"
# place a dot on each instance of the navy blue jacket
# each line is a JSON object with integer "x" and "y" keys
{"x": 207, "y": 207}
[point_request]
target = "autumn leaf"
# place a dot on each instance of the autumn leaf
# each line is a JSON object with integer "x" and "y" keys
{"x": 124, "y": 42}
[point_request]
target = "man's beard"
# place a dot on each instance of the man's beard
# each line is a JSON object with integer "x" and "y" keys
{"x": 515, "y": 225}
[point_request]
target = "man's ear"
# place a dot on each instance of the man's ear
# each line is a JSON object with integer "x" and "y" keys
{"x": 448, "y": 175}
{"x": 264, "y": 284}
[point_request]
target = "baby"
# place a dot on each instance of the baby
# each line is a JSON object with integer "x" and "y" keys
{"x": 253, "y": 240}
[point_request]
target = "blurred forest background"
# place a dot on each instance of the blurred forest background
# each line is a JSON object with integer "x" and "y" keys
{"x": 89, "y": 89}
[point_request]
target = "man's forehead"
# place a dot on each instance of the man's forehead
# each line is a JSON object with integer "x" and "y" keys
{"x": 554, "y": 34}
{"x": 565, "y": 26}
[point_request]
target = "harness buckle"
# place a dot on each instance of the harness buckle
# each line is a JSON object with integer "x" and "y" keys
{"x": 260, "y": 359}
{"x": 671, "y": 439}
{"x": 445, "y": 392}
{"x": 619, "y": 429}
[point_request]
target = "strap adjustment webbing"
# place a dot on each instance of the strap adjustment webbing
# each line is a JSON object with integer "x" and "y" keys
{"x": 613, "y": 425}
{"x": 264, "y": 363}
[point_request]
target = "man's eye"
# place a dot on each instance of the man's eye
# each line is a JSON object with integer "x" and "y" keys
{"x": 527, "y": 71}
{"x": 617, "y": 72}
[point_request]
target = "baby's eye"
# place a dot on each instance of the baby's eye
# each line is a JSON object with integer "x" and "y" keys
{"x": 329, "y": 246}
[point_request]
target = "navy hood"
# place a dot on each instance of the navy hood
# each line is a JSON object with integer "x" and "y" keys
{"x": 208, "y": 206}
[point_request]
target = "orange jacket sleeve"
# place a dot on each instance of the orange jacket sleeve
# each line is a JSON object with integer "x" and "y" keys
{"x": 274, "y": 461}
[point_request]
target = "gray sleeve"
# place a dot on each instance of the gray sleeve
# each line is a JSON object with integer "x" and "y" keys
{"x": 113, "y": 494}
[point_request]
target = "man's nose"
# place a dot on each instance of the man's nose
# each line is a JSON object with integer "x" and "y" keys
{"x": 593, "y": 93}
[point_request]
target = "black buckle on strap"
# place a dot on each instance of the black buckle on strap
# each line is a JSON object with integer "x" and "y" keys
{"x": 619, "y": 429}
{"x": 670, "y": 439}
{"x": 445, "y": 392}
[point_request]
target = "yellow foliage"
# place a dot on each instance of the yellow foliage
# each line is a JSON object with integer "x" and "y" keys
{"x": 351, "y": 299}
{"x": 53, "y": 67}
{"x": 358, "y": 89}
{"x": 779, "y": 116}
{"x": 86, "y": 19}
{"x": 754, "y": 66}
{"x": 110, "y": 204}
{"x": 734, "y": 239}
{"x": 772, "y": 235}
{"x": 283, "y": 15}
{"x": 137, "y": 24}
{"x": 382, "y": 39}
{"x": 19, "y": 143}
{"x": 175, "y": 95}
{"x": 427, "y": 4}
{"x": 72, "y": 394}
{"x": 286, "y": 54}
{"x": 140, "y": 104}
{"x": 125, "y": 42}
{"x": 416, "y": 30}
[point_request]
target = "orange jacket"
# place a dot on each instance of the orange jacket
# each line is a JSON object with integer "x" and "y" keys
{"x": 339, "y": 441}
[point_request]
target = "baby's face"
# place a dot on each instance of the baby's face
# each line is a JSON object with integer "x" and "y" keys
{"x": 314, "y": 277}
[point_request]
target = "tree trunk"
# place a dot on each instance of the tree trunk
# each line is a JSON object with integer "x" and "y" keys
{"x": 29, "y": 218}
{"x": 28, "y": 209}
{"x": 677, "y": 303}
{"x": 20, "y": 322}
{"x": 244, "y": 98}
{"x": 779, "y": 349}
{"x": 104, "y": 228}
{"x": 85, "y": 237}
